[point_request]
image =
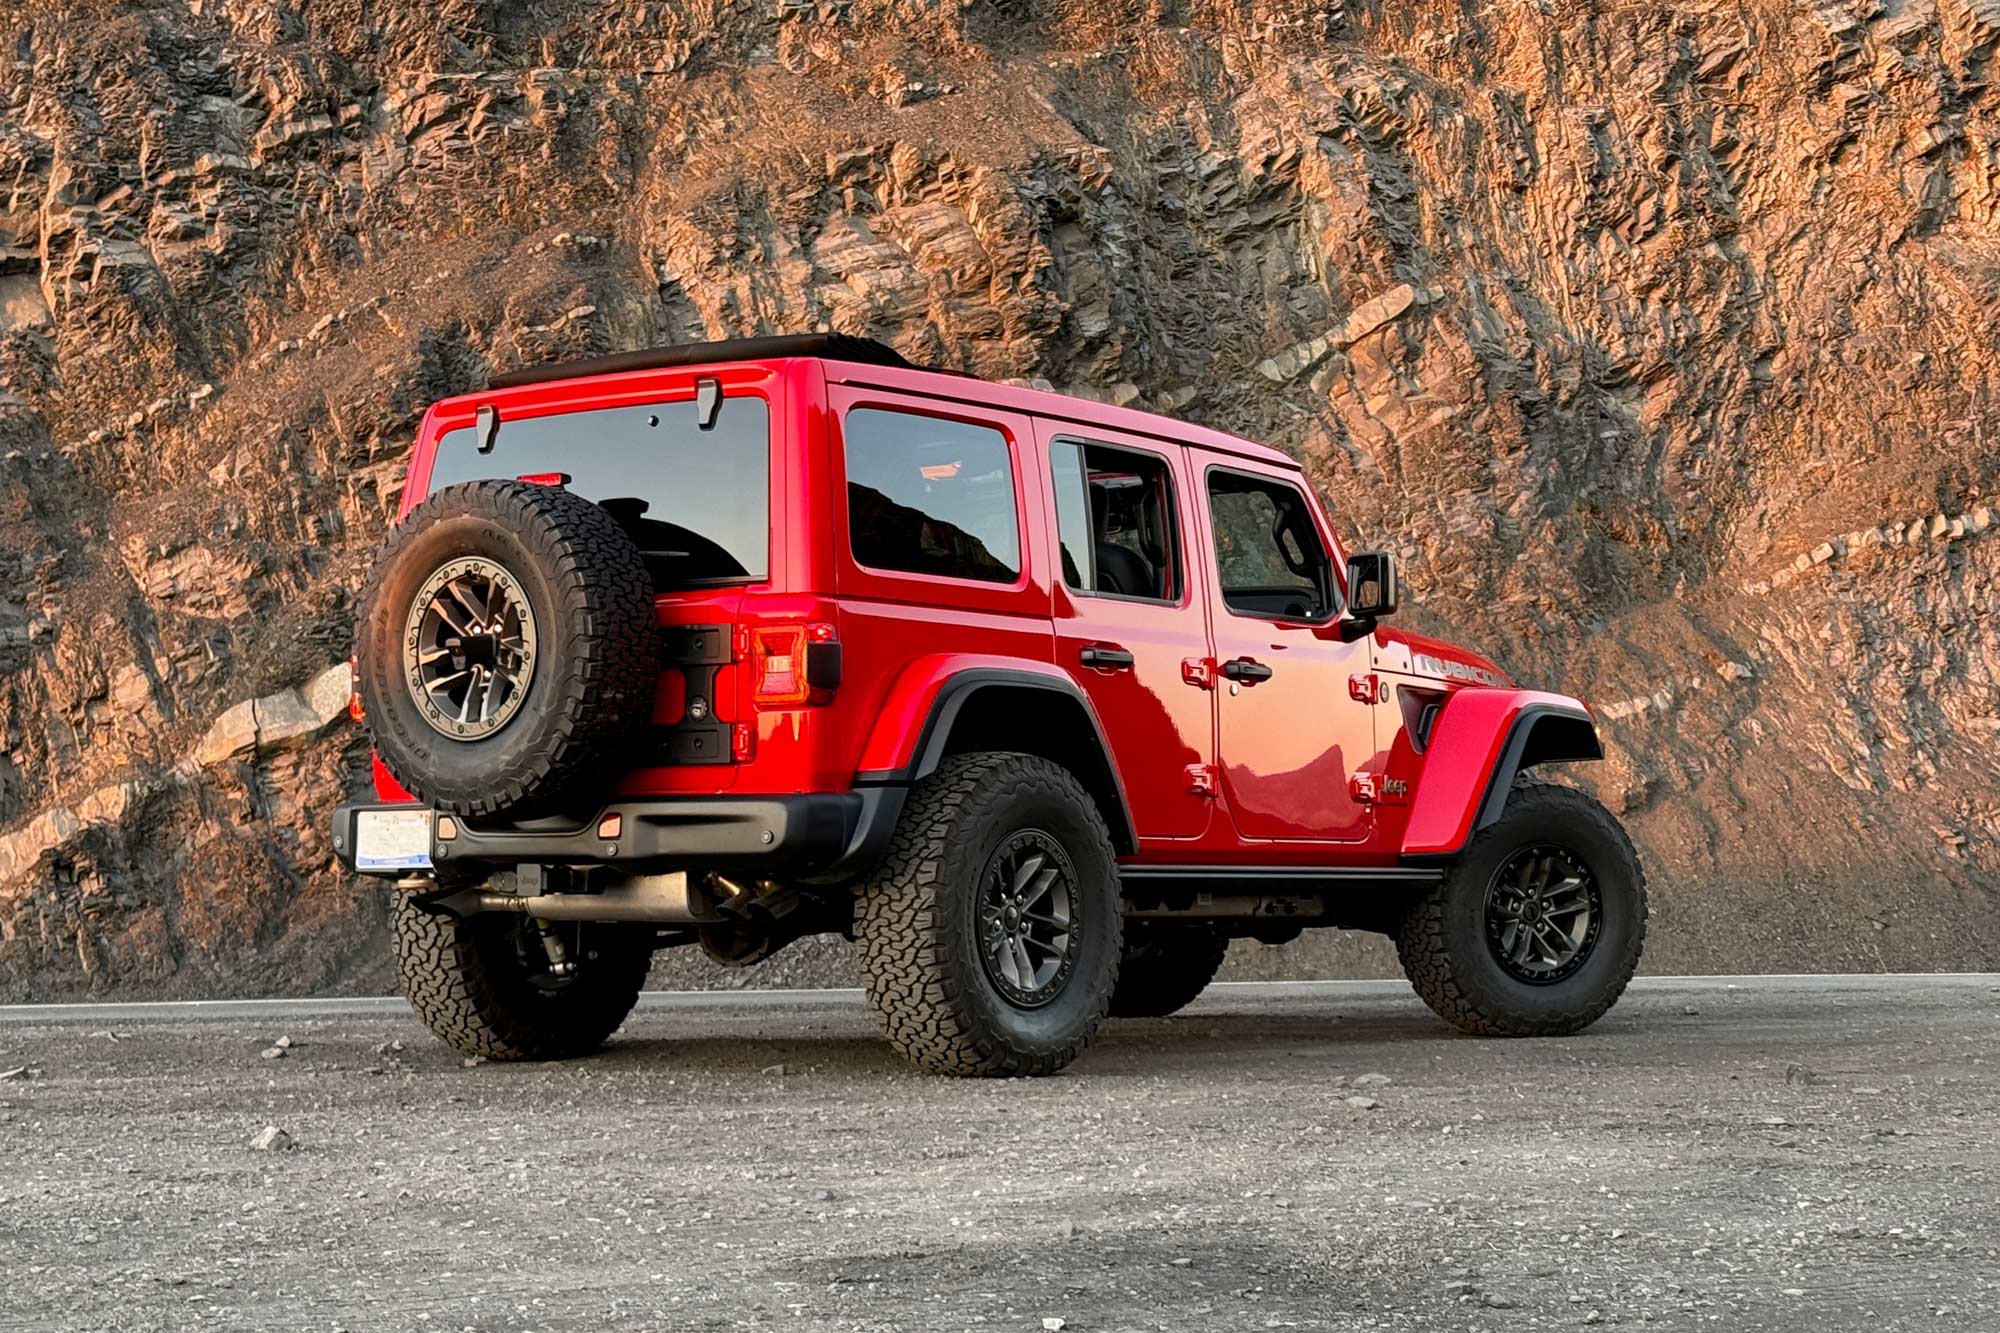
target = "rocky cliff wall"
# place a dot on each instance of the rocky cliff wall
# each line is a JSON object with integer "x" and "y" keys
{"x": 1658, "y": 340}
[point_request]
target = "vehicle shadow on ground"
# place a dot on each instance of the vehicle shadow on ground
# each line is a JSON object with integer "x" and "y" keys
{"x": 1210, "y": 1042}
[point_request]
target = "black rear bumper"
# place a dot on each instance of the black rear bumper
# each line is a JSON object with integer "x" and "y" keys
{"x": 827, "y": 837}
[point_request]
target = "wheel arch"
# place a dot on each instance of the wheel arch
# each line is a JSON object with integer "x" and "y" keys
{"x": 1482, "y": 741}
{"x": 1021, "y": 709}
{"x": 1541, "y": 734}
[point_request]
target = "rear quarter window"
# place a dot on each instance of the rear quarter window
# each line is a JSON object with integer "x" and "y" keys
{"x": 930, "y": 496}
{"x": 696, "y": 501}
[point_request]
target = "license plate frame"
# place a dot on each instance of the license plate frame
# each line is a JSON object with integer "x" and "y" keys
{"x": 392, "y": 840}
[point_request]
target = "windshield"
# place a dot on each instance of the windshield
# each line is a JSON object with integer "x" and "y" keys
{"x": 696, "y": 501}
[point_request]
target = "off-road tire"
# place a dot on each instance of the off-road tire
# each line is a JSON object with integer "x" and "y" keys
{"x": 1164, "y": 968}
{"x": 598, "y": 662}
{"x": 1442, "y": 941}
{"x": 466, "y": 982}
{"x": 915, "y": 926}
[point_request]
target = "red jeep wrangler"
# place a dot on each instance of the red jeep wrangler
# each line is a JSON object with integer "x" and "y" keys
{"x": 1039, "y": 701}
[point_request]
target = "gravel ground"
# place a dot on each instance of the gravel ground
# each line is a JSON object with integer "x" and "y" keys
{"x": 1781, "y": 1153}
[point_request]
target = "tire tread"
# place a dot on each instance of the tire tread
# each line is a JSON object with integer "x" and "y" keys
{"x": 903, "y": 948}
{"x": 1454, "y": 992}
{"x": 602, "y": 651}
{"x": 451, "y": 982}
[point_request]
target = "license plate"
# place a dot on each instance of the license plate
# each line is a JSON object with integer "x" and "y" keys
{"x": 392, "y": 840}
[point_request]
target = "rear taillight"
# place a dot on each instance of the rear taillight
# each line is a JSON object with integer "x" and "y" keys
{"x": 794, "y": 664}
{"x": 544, "y": 478}
{"x": 354, "y": 708}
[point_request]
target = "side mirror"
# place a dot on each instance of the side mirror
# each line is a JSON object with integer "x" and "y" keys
{"x": 1371, "y": 585}
{"x": 1372, "y": 592}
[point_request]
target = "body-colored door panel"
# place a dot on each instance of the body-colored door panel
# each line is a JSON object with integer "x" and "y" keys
{"x": 1128, "y": 653}
{"x": 1290, "y": 736}
{"x": 891, "y": 618}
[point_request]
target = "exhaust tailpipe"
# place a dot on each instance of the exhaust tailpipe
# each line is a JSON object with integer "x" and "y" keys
{"x": 661, "y": 898}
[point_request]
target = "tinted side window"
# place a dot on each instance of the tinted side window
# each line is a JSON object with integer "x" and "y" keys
{"x": 1271, "y": 560}
{"x": 1079, "y": 565}
{"x": 1115, "y": 519}
{"x": 930, "y": 496}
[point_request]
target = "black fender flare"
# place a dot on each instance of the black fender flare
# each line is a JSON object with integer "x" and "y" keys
{"x": 962, "y": 688}
{"x": 1542, "y": 734}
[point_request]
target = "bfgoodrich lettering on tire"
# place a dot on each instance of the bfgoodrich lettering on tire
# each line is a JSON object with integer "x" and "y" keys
{"x": 508, "y": 651}
{"x": 989, "y": 939}
{"x": 1537, "y": 927}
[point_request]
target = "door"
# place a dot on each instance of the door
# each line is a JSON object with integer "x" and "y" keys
{"x": 1290, "y": 735}
{"x": 1126, "y": 619}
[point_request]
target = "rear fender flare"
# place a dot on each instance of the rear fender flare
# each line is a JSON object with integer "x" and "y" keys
{"x": 1481, "y": 742}
{"x": 914, "y": 731}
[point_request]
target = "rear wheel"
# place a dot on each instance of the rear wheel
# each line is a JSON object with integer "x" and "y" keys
{"x": 491, "y": 985}
{"x": 1537, "y": 928}
{"x": 989, "y": 939}
{"x": 1165, "y": 967}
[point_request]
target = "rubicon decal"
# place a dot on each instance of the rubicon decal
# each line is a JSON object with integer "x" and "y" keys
{"x": 1450, "y": 670}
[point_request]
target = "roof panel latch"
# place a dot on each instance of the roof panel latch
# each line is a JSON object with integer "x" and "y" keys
{"x": 707, "y": 402}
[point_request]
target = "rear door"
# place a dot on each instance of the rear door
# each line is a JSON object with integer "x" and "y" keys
{"x": 1290, "y": 734}
{"x": 1130, "y": 624}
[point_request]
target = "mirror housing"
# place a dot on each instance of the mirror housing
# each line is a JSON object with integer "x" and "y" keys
{"x": 1372, "y": 592}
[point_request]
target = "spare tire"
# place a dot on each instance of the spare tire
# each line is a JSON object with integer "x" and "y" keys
{"x": 508, "y": 652}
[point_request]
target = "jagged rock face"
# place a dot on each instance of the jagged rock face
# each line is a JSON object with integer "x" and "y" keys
{"x": 1657, "y": 340}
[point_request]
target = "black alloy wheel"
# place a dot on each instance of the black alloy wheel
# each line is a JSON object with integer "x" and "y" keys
{"x": 1536, "y": 926}
{"x": 469, "y": 648}
{"x": 509, "y": 650}
{"x": 1028, "y": 918}
{"x": 1543, "y": 914}
{"x": 989, "y": 937}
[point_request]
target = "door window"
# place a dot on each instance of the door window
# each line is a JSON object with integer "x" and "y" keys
{"x": 1115, "y": 520}
{"x": 1269, "y": 556}
{"x": 930, "y": 496}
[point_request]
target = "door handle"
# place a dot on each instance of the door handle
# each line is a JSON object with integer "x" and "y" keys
{"x": 1245, "y": 670}
{"x": 1109, "y": 657}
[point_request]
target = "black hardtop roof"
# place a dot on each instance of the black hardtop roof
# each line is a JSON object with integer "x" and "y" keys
{"x": 832, "y": 346}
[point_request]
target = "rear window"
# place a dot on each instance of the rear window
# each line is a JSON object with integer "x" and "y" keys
{"x": 931, "y": 496}
{"x": 696, "y": 501}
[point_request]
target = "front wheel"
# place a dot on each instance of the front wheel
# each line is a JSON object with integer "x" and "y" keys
{"x": 1538, "y": 926}
{"x": 989, "y": 939}
{"x": 492, "y": 985}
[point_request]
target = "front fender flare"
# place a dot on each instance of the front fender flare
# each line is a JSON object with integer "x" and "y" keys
{"x": 1479, "y": 744}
